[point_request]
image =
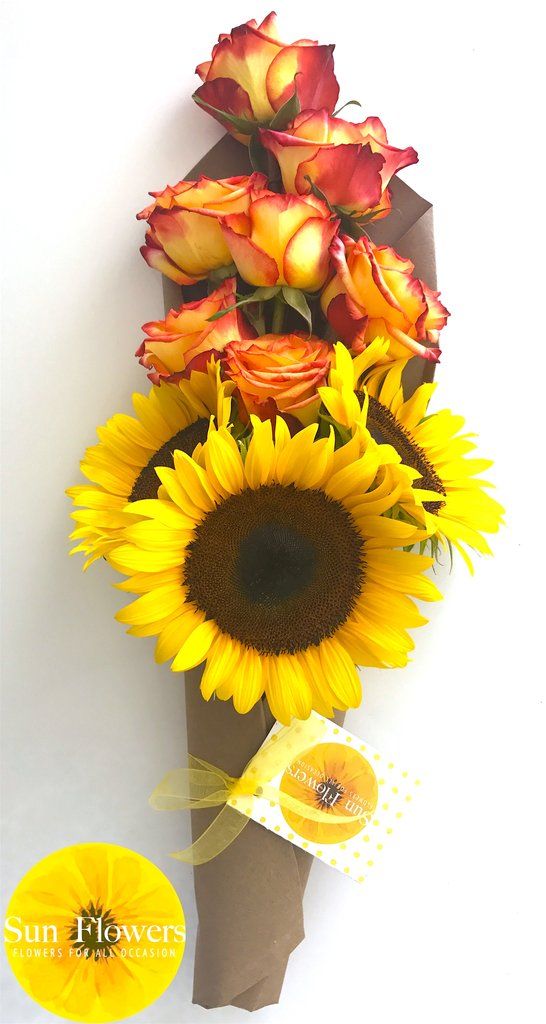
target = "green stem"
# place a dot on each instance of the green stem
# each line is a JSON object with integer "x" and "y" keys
{"x": 261, "y": 319}
{"x": 278, "y": 315}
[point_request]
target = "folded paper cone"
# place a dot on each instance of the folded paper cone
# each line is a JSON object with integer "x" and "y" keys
{"x": 250, "y": 897}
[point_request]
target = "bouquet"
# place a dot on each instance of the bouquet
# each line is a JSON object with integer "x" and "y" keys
{"x": 284, "y": 486}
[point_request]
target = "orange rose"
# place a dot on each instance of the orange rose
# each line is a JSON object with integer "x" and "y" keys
{"x": 186, "y": 340}
{"x": 252, "y": 74}
{"x": 374, "y": 293}
{"x": 281, "y": 240}
{"x": 184, "y": 240}
{"x": 352, "y": 164}
{"x": 279, "y": 373}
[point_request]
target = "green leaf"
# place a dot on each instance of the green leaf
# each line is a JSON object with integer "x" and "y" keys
{"x": 296, "y": 299}
{"x": 258, "y": 155}
{"x": 349, "y": 226}
{"x": 367, "y": 217}
{"x": 356, "y": 226}
{"x": 319, "y": 193}
{"x": 260, "y": 295}
{"x": 221, "y": 273}
{"x": 223, "y": 312}
{"x": 257, "y": 319}
{"x": 286, "y": 113}
{"x": 342, "y": 434}
{"x": 349, "y": 103}
{"x": 264, "y": 293}
{"x": 242, "y": 124}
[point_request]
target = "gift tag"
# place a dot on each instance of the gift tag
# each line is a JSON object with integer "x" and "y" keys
{"x": 336, "y": 797}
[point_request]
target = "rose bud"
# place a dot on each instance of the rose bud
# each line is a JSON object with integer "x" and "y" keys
{"x": 279, "y": 373}
{"x": 252, "y": 74}
{"x": 281, "y": 240}
{"x": 184, "y": 240}
{"x": 185, "y": 340}
{"x": 374, "y": 293}
{"x": 352, "y": 164}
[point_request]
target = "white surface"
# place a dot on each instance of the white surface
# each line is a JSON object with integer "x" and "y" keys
{"x": 451, "y": 926}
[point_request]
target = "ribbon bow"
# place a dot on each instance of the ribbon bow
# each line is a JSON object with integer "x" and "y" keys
{"x": 204, "y": 785}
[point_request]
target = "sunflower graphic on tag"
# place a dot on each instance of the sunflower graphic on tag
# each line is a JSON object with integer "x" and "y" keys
{"x": 330, "y": 777}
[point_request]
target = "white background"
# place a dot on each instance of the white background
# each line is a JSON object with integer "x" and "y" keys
{"x": 450, "y": 927}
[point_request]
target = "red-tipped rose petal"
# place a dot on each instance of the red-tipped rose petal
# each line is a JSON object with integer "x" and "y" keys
{"x": 349, "y": 175}
{"x": 316, "y": 82}
{"x": 346, "y": 318}
{"x": 225, "y": 95}
{"x": 158, "y": 260}
{"x": 254, "y": 265}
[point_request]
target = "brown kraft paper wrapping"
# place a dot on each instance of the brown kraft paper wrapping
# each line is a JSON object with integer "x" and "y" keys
{"x": 250, "y": 897}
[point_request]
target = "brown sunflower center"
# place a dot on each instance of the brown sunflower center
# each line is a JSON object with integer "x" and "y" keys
{"x": 94, "y": 932}
{"x": 278, "y": 569}
{"x": 385, "y": 429}
{"x": 147, "y": 482}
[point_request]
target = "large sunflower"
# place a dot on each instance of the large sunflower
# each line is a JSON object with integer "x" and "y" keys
{"x": 121, "y": 467}
{"x": 454, "y": 505}
{"x": 277, "y": 569}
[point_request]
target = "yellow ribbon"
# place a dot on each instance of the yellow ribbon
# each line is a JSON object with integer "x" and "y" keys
{"x": 204, "y": 785}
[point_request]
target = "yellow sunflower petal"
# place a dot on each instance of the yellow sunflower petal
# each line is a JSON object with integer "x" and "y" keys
{"x": 166, "y": 512}
{"x": 142, "y": 582}
{"x": 260, "y": 459}
{"x": 288, "y": 690}
{"x": 224, "y": 463}
{"x": 174, "y": 634}
{"x": 248, "y": 684}
{"x": 295, "y": 455}
{"x": 412, "y": 412}
{"x": 196, "y": 648}
{"x": 222, "y": 664}
{"x": 128, "y": 559}
{"x": 381, "y": 531}
{"x": 354, "y": 478}
{"x": 341, "y": 672}
{"x": 153, "y": 536}
{"x": 157, "y": 604}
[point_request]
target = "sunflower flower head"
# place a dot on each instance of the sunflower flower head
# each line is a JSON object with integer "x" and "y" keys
{"x": 276, "y": 566}
{"x": 448, "y": 497}
{"x": 121, "y": 468}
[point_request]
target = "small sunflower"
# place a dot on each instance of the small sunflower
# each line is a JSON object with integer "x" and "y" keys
{"x": 346, "y": 404}
{"x": 122, "y": 467}
{"x": 277, "y": 569}
{"x": 454, "y": 506}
